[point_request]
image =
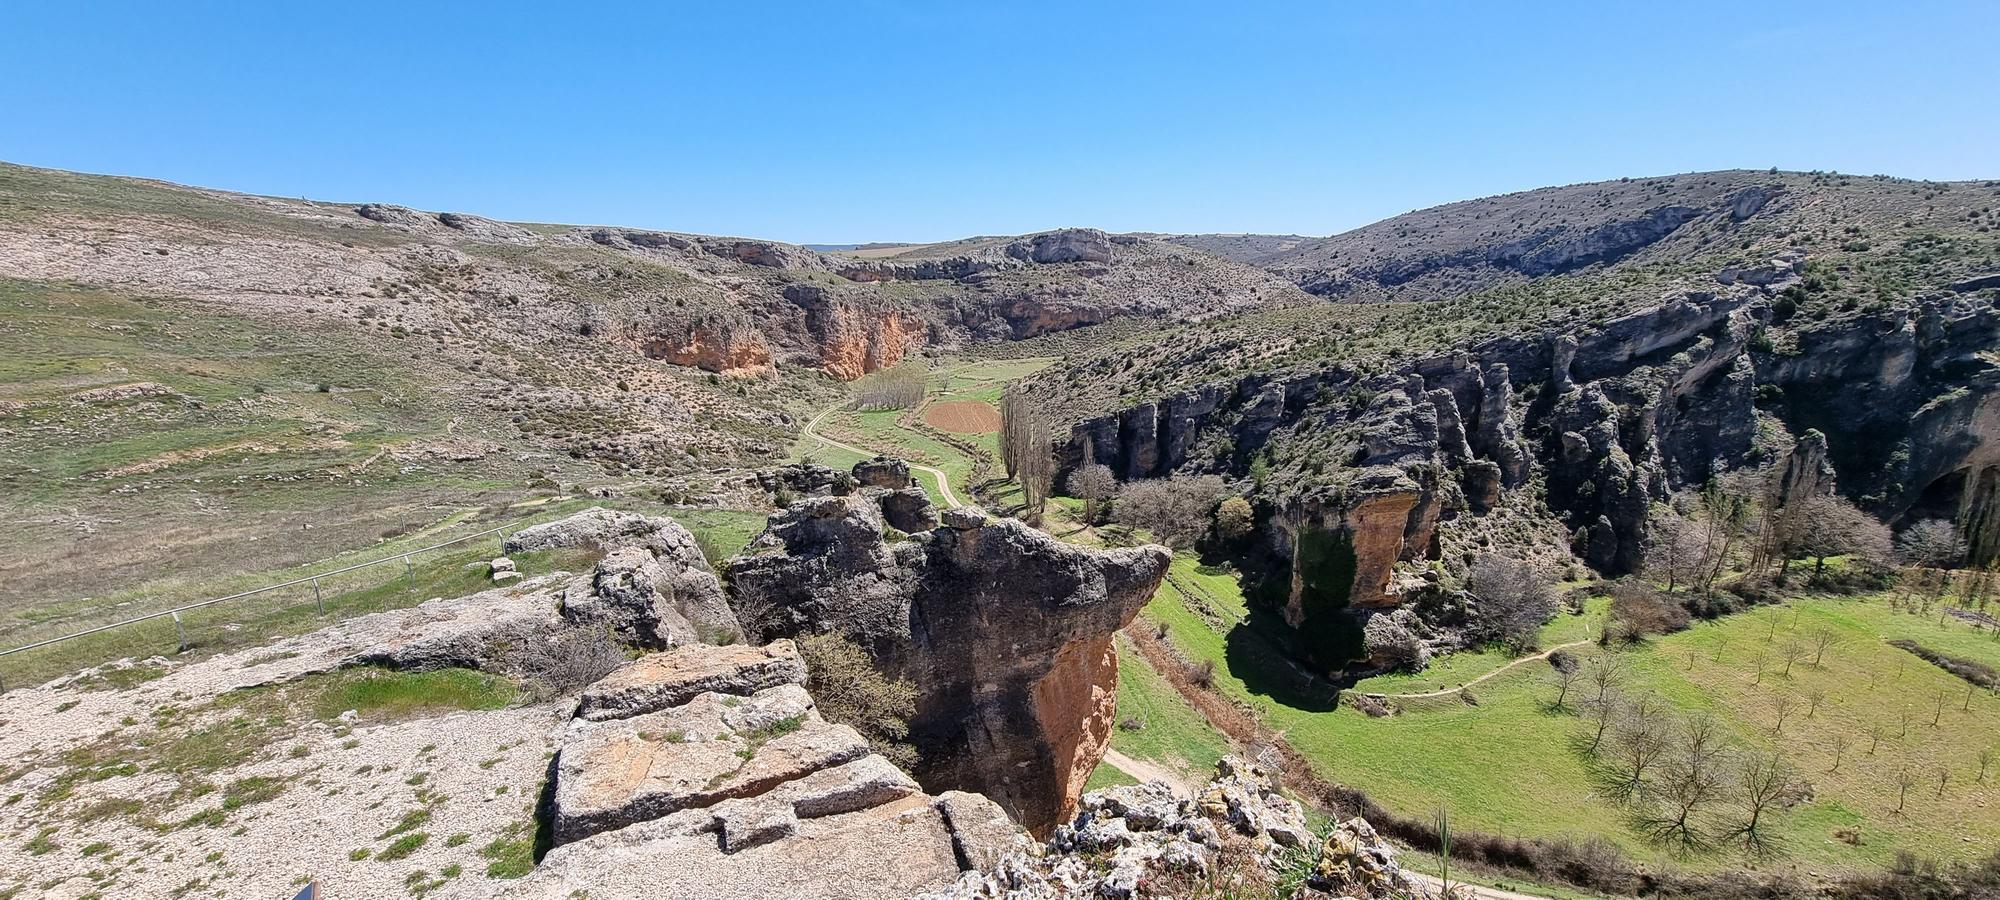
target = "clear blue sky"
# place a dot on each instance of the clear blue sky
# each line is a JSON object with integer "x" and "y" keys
{"x": 861, "y": 120}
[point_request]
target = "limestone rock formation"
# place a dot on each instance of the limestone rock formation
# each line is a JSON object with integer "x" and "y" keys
{"x": 653, "y": 586}
{"x": 708, "y": 772}
{"x": 724, "y": 344}
{"x": 1603, "y": 419}
{"x": 1146, "y": 835}
{"x": 1005, "y": 631}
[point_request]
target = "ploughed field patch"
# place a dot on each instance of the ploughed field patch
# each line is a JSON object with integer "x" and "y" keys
{"x": 963, "y": 417}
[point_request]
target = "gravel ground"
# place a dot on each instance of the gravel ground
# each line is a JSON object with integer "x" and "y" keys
{"x": 87, "y": 811}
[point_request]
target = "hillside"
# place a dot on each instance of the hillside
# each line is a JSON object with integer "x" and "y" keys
{"x": 1702, "y": 221}
{"x": 212, "y": 369}
{"x": 1566, "y": 389}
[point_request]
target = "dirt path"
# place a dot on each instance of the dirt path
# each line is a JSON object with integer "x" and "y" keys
{"x": 1429, "y": 886}
{"x": 1496, "y": 672}
{"x": 1144, "y": 770}
{"x": 812, "y": 431}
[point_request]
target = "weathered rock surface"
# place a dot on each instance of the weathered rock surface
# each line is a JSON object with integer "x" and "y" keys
{"x": 662, "y": 680}
{"x": 1124, "y": 838}
{"x": 1004, "y": 630}
{"x": 653, "y": 587}
{"x": 708, "y": 772}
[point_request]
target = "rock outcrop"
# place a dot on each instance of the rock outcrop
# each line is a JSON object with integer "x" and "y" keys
{"x": 724, "y": 344}
{"x": 856, "y": 336}
{"x": 1005, "y": 631}
{"x": 653, "y": 587}
{"x": 1236, "y": 830}
{"x": 1584, "y": 429}
{"x": 708, "y": 772}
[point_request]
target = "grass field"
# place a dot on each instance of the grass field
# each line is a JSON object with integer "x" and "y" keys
{"x": 952, "y": 383}
{"x": 250, "y": 621}
{"x": 1506, "y": 764}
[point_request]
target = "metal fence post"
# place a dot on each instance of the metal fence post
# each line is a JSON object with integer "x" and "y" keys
{"x": 180, "y": 632}
{"x": 317, "y": 599}
{"x": 408, "y": 569}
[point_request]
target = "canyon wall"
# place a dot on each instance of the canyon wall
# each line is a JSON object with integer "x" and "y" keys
{"x": 1600, "y": 421}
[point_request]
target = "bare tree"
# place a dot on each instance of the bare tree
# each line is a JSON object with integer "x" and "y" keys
{"x": 1016, "y": 417}
{"x": 1024, "y": 450}
{"x": 1793, "y": 651}
{"x": 1515, "y": 598}
{"x": 1905, "y": 779}
{"x": 1602, "y": 713}
{"x": 1823, "y": 639}
{"x": 1829, "y": 525}
{"x": 1943, "y": 776}
{"x": 1874, "y": 738}
{"x": 1176, "y": 510}
{"x": 1814, "y": 698}
{"x": 1985, "y": 762}
{"x": 1676, "y": 550}
{"x": 1840, "y": 744}
{"x": 1929, "y": 547}
{"x": 1566, "y": 678}
{"x": 898, "y": 387}
{"x": 1762, "y": 782}
{"x": 1637, "y": 745}
{"x": 1094, "y": 484}
{"x": 1691, "y": 781}
{"x": 1783, "y": 705}
{"x": 1605, "y": 677}
{"x": 1726, "y": 507}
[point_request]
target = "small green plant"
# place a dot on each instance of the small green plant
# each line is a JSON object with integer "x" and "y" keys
{"x": 403, "y": 846}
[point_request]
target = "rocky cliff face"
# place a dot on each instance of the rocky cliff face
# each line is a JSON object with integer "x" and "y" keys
{"x": 1005, "y": 631}
{"x": 1601, "y": 419}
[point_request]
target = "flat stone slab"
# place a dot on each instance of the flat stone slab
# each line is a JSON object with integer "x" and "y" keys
{"x": 659, "y": 681}
{"x": 900, "y": 849}
{"x": 715, "y": 747}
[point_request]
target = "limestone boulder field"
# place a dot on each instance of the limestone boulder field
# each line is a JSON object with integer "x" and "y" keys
{"x": 1005, "y": 632}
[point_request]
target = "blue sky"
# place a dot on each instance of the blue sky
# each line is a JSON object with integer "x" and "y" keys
{"x": 864, "y": 120}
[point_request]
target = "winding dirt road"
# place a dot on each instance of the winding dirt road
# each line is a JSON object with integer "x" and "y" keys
{"x": 812, "y": 431}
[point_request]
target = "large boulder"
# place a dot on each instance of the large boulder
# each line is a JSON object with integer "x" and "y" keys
{"x": 882, "y": 472}
{"x": 653, "y": 587}
{"x": 708, "y": 772}
{"x": 663, "y": 680}
{"x": 1005, "y": 631}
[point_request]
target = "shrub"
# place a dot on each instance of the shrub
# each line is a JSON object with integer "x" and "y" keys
{"x": 849, "y": 689}
{"x": 1638, "y": 611}
{"x": 569, "y": 662}
{"x": 1514, "y": 600}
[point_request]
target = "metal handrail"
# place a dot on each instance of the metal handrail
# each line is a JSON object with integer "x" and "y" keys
{"x": 309, "y": 579}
